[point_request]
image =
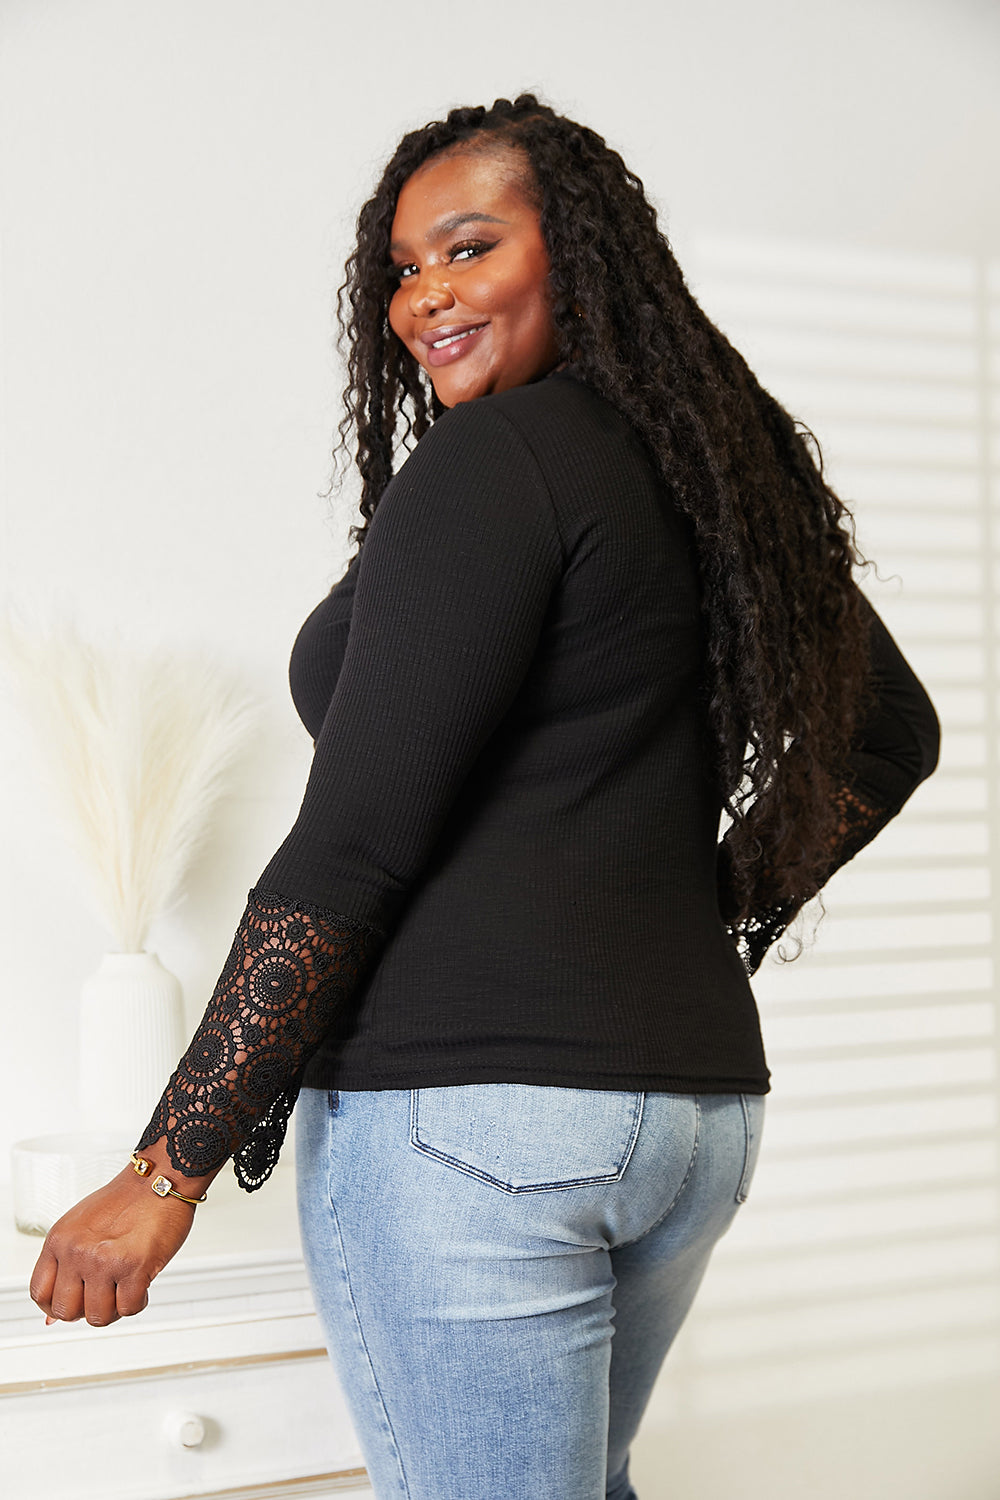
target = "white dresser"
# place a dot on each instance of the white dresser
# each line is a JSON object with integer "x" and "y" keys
{"x": 220, "y": 1388}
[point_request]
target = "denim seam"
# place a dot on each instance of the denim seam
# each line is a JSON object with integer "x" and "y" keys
{"x": 743, "y": 1191}
{"x": 357, "y": 1321}
{"x": 534, "y": 1187}
{"x": 686, "y": 1179}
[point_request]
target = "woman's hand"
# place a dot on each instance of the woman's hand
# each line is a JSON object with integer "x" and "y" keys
{"x": 99, "y": 1258}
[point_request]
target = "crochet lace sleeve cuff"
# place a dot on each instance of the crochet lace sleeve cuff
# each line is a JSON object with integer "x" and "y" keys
{"x": 861, "y": 817}
{"x": 291, "y": 968}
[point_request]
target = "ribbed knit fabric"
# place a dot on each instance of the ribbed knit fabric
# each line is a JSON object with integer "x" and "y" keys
{"x": 511, "y": 779}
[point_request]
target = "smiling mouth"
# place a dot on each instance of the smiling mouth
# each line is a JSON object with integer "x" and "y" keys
{"x": 454, "y": 338}
{"x": 451, "y": 344}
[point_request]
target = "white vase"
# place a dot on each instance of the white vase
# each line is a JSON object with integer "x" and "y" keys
{"x": 131, "y": 1035}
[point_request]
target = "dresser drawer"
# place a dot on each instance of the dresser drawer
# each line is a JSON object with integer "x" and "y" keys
{"x": 185, "y": 1431}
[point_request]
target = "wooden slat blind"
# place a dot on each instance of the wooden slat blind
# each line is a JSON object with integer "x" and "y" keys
{"x": 868, "y": 1254}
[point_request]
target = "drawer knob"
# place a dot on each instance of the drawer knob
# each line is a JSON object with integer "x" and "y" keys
{"x": 185, "y": 1429}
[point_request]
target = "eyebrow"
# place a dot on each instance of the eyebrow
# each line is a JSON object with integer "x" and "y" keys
{"x": 448, "y": 226}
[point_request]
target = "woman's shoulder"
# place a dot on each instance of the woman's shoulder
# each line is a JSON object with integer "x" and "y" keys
{"x": 558, "y": 411}
{"x": 476, "y": 467}
{"x": 555, "y": 443}
{"x": 564, "y": 392}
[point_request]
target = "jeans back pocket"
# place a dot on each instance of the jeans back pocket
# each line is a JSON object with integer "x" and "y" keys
{"x": 525, "y": 1137}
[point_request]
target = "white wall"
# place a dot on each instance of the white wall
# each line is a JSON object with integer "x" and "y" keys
{"x": 178, "y": 185}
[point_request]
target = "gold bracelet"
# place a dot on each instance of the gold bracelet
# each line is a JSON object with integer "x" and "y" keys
{"x": 162, "y": 1186}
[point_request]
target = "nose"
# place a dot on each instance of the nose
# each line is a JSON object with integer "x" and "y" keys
{"x": 430, "y": 292}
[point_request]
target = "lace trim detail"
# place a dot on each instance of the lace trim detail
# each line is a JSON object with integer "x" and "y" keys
{"x": 859, "y": 822}
{"x": 755, "y": 934}
{"x": 290, "y": 969}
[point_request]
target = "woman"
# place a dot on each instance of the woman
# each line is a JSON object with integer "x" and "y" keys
{"x": 607, "y": 597}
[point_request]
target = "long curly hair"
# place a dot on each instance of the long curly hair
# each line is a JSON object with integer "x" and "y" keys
{"x": 787, "y": 635}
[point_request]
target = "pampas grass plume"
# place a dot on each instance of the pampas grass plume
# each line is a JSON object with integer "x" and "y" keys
{"x": 139, "y": 748}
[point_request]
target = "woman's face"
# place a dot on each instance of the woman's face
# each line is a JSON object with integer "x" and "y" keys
{"x": 471, "y": 302}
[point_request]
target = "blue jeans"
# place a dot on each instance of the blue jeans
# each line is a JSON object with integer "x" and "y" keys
{"x": 473, "y": 1249}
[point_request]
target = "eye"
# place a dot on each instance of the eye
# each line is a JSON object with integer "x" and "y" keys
{"x": 471, "y": 248}
{"x": 396, "y": 274}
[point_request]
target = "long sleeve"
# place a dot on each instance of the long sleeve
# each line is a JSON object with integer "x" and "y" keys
{"x": 453, "y": 584}
{"x": 896, "y": 748}
{"x": 289, "y": 970}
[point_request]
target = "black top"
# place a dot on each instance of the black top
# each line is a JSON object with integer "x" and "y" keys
{"x": 510, "y": 828}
